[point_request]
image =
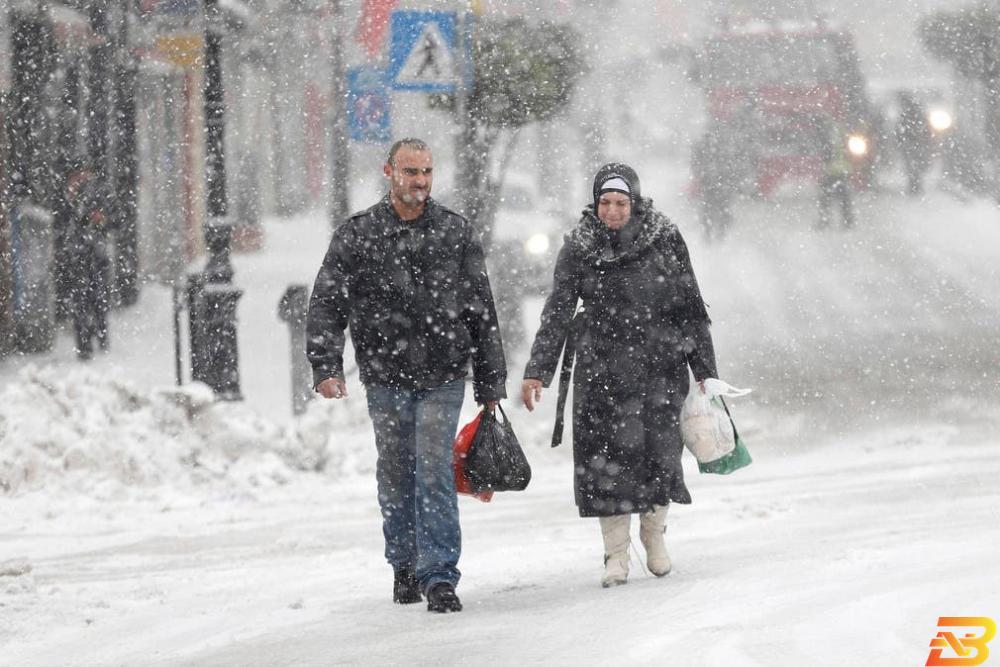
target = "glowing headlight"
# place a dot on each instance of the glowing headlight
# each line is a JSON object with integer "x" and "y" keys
{"x": 537, "y": 244}
{"x": 940, "y": 120}
{"x": 857, "y": 145}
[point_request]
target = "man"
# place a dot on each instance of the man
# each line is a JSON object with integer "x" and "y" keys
{"x": 89, "y": 261}
{"x": 408, "y": 277}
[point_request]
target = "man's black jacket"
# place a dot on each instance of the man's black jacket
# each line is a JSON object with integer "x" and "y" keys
{"x": 416, "y": 297}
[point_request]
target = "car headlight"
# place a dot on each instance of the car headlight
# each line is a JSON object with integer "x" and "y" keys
{"x": 537, "y": 244}
{"x": 857, "y": 145}
{"x": 940, "y": 120}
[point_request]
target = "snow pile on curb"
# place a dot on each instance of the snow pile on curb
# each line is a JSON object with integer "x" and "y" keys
{"x": 90, "y": 433}
{"x": 16, "y": 577}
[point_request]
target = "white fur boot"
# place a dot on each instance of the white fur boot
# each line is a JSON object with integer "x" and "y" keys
{"x": 652, "y": 525}
{"x": 615, "y": 532}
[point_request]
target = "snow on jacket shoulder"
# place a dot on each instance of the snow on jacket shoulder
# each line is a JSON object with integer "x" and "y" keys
{"x": 416, "y": 298}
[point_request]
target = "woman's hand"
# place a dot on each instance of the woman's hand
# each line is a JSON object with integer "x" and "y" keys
{"x": 531, "y": 392}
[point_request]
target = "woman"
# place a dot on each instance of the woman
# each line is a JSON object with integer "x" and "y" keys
{"x": 641, "y": 323}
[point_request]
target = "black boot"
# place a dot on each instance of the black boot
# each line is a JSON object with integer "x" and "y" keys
{"x": 442, "y": 598}
{"x": 405, "y": 589}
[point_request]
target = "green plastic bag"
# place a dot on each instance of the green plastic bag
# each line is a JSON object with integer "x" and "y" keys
{"x": 709, "y": 432}
{"x": 734, "y": 460}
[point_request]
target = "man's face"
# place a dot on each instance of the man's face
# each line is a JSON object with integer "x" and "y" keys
{"x": 614, "y": 209}
{"x": 410, "y": 175}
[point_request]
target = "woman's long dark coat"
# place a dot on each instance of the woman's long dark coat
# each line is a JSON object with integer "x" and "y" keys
{"x": 641, "y": 322}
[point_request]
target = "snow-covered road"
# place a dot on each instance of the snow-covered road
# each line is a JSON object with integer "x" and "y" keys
{"x": 871, "y": 509}
{"x": 845, "y": 554}
{"x": 897, "y": 317}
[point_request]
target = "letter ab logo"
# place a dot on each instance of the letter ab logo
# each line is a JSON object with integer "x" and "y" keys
{"x": 970, "y": 649}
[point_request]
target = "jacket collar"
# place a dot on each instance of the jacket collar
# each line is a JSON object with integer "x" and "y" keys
{"x": 393, "y": 224}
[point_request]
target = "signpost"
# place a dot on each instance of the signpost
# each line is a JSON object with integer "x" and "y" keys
{"x": 368, "y": 105}
{"x": 423, "y": 54}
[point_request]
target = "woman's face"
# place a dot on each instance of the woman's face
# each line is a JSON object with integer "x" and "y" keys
{"x": 614, "y": 209}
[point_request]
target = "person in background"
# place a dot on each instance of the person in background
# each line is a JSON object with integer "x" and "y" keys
{"x": 408, "y": 277}
{"x": 641, "y": 323}
{"x": 89, "y": 260}
{"x": 913, "y": 136}
{"x": 715, "y": 164}
{"x": 835, "y": 177}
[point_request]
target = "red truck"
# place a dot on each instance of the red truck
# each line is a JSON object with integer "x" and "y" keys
{"x": 772, "y": 85}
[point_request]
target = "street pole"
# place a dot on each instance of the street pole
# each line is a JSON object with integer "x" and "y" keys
{"x": 469, "y": 171}
{"x": 990, "y": 49}
{"x": 461, "y": 42}
{"x": 100, "y": 92}
{"x": 211, "y": 298}
{"x": 215, "y": 127}
{"x": 126, "y": 166}
{"x": 340, "y": 169}
{"x": 31, "y": 229}
{"x": 6, "y": 283}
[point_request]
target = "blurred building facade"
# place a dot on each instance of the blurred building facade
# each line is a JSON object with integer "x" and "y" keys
{"x": 119, "y": 83}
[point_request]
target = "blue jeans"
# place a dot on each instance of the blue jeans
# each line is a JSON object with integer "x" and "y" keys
{"x": 414, "y": 433}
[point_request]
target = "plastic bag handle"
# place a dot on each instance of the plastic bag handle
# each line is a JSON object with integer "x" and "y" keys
{"x": 716, "y": 387}
{"x": 491, "y": 414}
{"x": 736, "y": 434}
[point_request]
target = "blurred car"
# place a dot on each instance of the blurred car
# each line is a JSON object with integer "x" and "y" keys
{"x": 924, "y": 112}
{"x": 527, "y": 236}
{"x": 939, "y": 111}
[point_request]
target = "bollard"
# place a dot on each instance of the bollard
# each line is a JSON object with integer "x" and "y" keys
{"x": 212, "y": 325}
{"x": 292, "y": 309}
{"x": 212, "y": 318}
{"x": 178, "y": 306}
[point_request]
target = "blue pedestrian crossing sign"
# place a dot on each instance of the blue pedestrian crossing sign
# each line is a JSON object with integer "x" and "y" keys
{"x": 422, "y": 53}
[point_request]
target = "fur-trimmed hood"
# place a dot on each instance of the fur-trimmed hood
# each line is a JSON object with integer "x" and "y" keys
{"x": 590, "y": 237}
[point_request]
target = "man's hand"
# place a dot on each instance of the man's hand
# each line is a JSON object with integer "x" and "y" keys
{"x": 332, "y": 388}
{"x": 531, "y": 392}
{"x": 490, "y": 405}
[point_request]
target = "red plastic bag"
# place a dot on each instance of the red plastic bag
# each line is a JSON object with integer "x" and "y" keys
{"x": 463, "y": 441}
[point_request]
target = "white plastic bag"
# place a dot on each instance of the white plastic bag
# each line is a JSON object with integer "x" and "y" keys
{"x": 706, "y": 428}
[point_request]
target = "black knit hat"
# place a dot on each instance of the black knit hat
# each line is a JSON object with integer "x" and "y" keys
{"x": 617, "y": 177}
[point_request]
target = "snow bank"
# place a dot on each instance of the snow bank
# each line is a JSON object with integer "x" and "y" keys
{"x": 16, "y": 577}
{"x": 84, "y": 432}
